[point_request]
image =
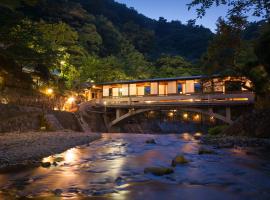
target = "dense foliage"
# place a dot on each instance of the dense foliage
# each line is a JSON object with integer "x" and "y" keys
{"x": 72, "y": 41}
{"x": 240, "y": 47}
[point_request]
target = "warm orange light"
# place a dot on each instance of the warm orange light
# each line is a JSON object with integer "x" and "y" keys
{"x": 71, "y": 100}
{"x": 196, "y": 117}
{"x": 170, "y": 114}
{"x": 49, "y": 91}
{"x": 185, "y": 115}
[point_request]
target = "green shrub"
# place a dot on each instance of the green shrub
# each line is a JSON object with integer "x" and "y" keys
{"x": 217, "y": 130}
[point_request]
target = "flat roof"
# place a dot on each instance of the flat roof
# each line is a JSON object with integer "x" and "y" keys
{"x": 156, "y": 80}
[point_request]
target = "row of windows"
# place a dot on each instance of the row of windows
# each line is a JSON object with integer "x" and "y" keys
{"x": 229, "y": 87}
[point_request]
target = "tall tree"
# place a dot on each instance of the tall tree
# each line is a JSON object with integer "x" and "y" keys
{"x": 257, "y": 7}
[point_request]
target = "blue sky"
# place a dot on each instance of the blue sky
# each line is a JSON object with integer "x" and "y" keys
{"x": 175, "y": 10}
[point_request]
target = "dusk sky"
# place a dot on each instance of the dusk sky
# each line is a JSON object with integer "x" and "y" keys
{"x": 175, "y": 10}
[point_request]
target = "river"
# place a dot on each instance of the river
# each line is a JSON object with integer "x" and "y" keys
{"x": 113, "y": 168}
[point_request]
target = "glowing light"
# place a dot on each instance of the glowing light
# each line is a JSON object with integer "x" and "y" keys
{"x": 105, "y": 103}
{"x": 198, "y": 134}
{"x": 70, "y": 155}
{"x": 148, "y": 101}
{"x": 212, "y": 118}
{"x": 170, "y": 114}
{"x": 152, "y": 112}
{"x": 49, "y": 91}
{"x": 185, "y": 115}
{"x": 71, "y": 100}
{"x": 186, "y": 136}
{"x": 62, "y": 62}
{"x": 92, "y": 81}
{"x": 93, "y": 86}
{"x": 196, "y": 117}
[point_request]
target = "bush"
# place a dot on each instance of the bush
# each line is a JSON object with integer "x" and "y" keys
{"x": 217, "y": 130}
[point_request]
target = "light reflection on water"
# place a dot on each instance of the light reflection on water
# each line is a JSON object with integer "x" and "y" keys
{"x": 112, "y": 168}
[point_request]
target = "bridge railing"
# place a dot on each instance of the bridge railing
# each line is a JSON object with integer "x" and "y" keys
{"x": 185, "y": 99}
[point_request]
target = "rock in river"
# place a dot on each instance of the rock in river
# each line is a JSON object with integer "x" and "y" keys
{"x": 150, "y": 141}
{"x": 158, "y": 171}
{"x": 45, "y": 164}
{"x": 179, "y": 160}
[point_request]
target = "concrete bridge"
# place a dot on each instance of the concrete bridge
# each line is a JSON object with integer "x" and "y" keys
{"x": 200, "y": 94}
{"x": 205, "y": 104}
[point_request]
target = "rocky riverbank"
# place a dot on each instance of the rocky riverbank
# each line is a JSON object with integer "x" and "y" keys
{"x": 22, "y": 149}
{"x": 225, "y": 141}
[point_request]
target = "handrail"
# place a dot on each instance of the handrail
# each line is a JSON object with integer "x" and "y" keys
{"x": 246, "y": 97}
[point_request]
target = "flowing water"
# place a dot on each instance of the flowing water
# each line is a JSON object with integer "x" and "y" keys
{"x": 113, "y": 168}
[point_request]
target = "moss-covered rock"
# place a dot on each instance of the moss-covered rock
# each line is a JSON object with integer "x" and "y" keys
{"x": 158, "y": 171}
{"x": 179, "y": 160}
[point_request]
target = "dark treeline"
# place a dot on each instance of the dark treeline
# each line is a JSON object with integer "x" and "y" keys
{"x": 72, "y": 41}
{"x": 100, "y": 40}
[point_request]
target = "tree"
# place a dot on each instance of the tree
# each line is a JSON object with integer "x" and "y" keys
{"x": 101, "y": 70}
{"x": 257, "y": 7}
{"x": 171, "y": 66}
{"x": 224, "y": 49}
{"x": 249, "y": 58}
{"x": 25, "y": 45}
{"x": 133, "y": 62}
{"x": 110, "y": 35}
{"x": 13, "y": 4}
{"x": 262, "y": 48}
{"x": 90, "y": 38}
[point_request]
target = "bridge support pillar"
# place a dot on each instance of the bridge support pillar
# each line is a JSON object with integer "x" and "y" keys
{"x": 119, "y": 113}
{"x": 228, "y": 113}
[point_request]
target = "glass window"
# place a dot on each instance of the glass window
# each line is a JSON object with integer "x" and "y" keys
{"x": 147, "y": 90}
{"x": 197, "y": 87}
{"x": 179, "y": 88}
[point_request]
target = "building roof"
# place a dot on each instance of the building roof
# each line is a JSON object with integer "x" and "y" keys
{"x": 156, "y": 80}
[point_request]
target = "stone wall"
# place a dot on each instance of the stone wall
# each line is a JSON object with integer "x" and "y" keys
{"x": 15, "y": 118}
{"x": 67, "y": 120}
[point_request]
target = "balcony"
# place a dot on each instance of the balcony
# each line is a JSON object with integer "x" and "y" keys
{"x": 211, "y": 99}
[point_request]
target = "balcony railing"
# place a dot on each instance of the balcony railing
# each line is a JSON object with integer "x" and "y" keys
{"x": 183, "y": 99}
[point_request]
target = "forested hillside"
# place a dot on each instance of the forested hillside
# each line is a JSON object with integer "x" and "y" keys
{"x": 100, "y": 40}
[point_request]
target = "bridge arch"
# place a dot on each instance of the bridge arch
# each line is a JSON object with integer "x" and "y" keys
{"x": 209, "y": 112}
